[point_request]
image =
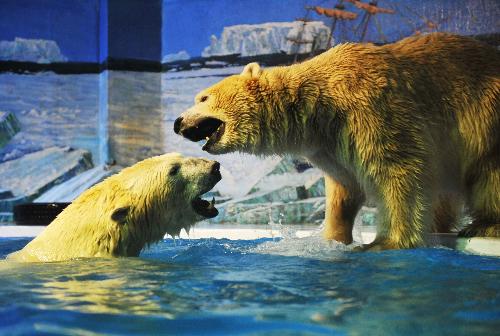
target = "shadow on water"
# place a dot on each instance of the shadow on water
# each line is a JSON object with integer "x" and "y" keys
{"x": 260, "y": 286}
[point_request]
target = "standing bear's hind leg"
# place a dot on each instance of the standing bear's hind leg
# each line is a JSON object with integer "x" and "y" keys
{"x": 484, "y": 203}
{"x": 446, "y": 212}
{"x": 342, "y": 205}
{"x": 405, "y": 212}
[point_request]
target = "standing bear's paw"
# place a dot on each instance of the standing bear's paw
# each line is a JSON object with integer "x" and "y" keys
{"x": 377, "y": 246}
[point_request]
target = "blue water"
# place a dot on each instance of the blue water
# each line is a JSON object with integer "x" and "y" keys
{"x": 259, "y": 287}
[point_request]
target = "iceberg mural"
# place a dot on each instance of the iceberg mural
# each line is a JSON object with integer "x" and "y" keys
{"x": 117, "y": 103}
{"x": 269, "y": 38}
{"x": 182, "y": 55}
{"x": 31, "y": 50}
{"x": 9, "y": 126}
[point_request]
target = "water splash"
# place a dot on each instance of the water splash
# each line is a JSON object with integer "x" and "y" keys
{"x": 290, "y": 244}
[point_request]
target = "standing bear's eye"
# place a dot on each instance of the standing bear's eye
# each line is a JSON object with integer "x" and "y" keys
{"x": 174, "y": 170}
{"x": 203, "y": 99}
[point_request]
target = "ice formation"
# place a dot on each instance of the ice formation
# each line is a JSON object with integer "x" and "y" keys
{"x": 180, "y": 56}
{"x": 268, "y": 38}
{"x": 31, "y": 50}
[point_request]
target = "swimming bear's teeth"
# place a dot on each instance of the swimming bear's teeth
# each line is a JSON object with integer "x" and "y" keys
{"x": 212, "y": 203}
{"x": 206, "y": 138}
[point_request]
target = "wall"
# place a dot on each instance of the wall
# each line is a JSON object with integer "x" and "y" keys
{"x": 53, "y": 110}
{"x": 118, "y": 72}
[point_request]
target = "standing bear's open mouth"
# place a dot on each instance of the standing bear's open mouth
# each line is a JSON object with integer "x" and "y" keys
{"x": 208, "y": 128}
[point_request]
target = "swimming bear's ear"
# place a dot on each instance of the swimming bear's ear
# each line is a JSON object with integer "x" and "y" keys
{"x": 252, "y": 70}
{"x": 119, "y": 215}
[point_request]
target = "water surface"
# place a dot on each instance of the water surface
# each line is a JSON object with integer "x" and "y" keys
{"x": 259, "y": 287}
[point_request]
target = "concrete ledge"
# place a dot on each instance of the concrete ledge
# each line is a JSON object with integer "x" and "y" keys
{"x": 483, "y": 246}
{"x": 486, "y": 246}
{"x": 477, "y": 245}
{"x": 13, "y": 231}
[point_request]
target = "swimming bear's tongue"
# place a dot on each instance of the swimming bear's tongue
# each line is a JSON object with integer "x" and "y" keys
{"x": 204, "y": 208}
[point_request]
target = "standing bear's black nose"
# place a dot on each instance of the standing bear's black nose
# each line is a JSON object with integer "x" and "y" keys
{"x": 177, "y": 125}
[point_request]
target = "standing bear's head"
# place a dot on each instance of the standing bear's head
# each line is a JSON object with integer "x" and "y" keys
{"x": 253, "y": 112}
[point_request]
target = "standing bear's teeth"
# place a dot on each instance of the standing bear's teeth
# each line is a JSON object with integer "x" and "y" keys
{"x": 206, "y": 138}
{"x": 212, "y": 203}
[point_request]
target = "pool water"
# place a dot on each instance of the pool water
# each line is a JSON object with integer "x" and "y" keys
{"x": 258, "y": 287}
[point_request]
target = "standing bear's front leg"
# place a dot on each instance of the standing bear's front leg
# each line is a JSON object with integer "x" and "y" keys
{"x": 342, "y": 205}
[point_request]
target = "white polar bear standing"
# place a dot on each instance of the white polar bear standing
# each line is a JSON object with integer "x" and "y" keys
{"x": 129, "y": 210}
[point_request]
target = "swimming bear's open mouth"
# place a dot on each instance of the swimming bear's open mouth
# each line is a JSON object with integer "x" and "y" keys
{"x": 204, "y": 208}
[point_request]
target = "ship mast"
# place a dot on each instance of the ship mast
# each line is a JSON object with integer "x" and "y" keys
{"x": 426, "y": 25}
{"x": 339, "y": 6}
{"x": 298, "y": 40}
{"x": 337, "y": 13}
{"x": 371, "y": 9}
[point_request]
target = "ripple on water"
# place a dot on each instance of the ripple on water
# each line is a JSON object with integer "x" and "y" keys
{"x": 287, "y": 285}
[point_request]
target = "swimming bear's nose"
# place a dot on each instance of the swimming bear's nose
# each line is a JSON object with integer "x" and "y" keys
{"x": 215, "y": 171}
{"x": 177, "y": 125}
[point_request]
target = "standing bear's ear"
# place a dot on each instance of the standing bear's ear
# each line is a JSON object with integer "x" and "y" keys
{"x": 252, "y": 70}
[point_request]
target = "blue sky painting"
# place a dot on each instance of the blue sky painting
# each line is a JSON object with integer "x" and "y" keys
{"x": 73, "y": 24}
{"x": 188, "y": 24}
{"x": 77, "y": 26}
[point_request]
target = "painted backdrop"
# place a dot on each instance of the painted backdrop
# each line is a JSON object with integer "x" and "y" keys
{"x": 90, "y": 86}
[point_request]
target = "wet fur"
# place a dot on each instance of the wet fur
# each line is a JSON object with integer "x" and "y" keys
{"x": 414, "y": 125}
{"x": 124, "y": 213}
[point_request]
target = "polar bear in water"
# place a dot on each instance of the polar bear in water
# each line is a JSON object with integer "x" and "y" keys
{"x": 129, "y": 210}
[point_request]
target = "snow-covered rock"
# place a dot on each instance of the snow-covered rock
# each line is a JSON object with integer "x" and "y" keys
{"x": 6, "y": 217}
{"x": 308, "y": 211}
{"x": 8, "y": 204}
{"x": 9, "y": 126}
{"x": 71, "y": 189}
{"x": 367, "y": 216}
{"x": 288, "y": 172}
{"x": 285, "y": 193}
{"x": 35, "y": 173}
{"x": 182, "y": 55}
{"x": 31, "y": 50}
{"x": 268, "y": 38}
{"x": 5, "y": 194}
{"x": 315, "y": 187}
{"x": 289, "y": 193}
{"x": 280, "y": 195}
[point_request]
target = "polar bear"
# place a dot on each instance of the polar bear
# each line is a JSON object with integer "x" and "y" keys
{"x": 127, "y": 211}
{"x": 413, "y": 125}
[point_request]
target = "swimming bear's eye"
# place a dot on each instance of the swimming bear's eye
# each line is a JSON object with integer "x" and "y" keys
{"x": 203, "y": 99}
{"x": 174, "y": 170}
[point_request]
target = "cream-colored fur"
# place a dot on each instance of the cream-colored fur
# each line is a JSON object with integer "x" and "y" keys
{"x": 412, "y": 125}
{"x": 125, "y": 212}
